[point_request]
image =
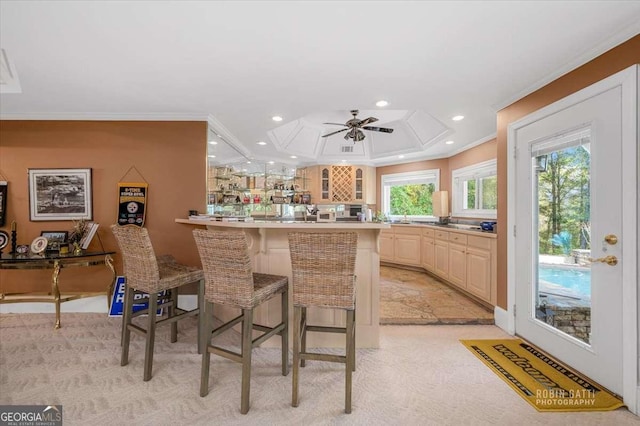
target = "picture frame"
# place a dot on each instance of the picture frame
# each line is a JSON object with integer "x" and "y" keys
{"x": 60, "y": 194}
{"x": 55, "y": 239}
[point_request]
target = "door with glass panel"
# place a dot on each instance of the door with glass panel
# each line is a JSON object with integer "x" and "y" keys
{"x": 568, "y": 227}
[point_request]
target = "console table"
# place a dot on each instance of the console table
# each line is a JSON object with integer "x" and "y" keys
{"x": 56, "y": 262}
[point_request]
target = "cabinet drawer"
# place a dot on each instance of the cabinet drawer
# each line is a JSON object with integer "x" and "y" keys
{"x": 406, "y": 230}
{"x": 458, "y": 238}
{"x": 479, "y": 242}
{"x": 426, "y": 232}
{"x": 442, "y": 235}
{"x": 387, "y": 232}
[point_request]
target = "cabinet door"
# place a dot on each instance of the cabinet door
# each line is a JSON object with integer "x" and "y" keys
{"x": 428, "y": 253}
{"x": 324, "y": 184}
{"x": 358, "y": 184}
{"x": 407, "y": 249}
{"x": 441, "y": 255}
{"x": 386, "y": 246}
{"x": 479, "y": 273}
{"x": 457, "y": 265}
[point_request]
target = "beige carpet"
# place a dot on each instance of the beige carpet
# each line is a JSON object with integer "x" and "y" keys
{"x": 421, "y": 375}
{"x": 410, "y": 297}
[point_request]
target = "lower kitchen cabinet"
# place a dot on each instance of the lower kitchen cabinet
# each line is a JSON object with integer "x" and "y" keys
{"x": 386, "y": 246}
{"x": 479, "y": 272}
{"x": 462, "y": 259}
{"x": 441, "y": 254}
{"x": 457, "y": 265}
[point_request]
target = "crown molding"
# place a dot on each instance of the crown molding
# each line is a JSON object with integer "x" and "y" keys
{"x": 471, "y": 145}
{"x": 218, "y": 128}
{"x": 599, "y": 49}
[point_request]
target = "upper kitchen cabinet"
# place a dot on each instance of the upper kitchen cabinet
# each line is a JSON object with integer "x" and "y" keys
{"x": 343, "y": 184}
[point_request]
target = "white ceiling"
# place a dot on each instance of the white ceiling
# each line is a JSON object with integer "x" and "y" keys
{"x": 237, "y": 64}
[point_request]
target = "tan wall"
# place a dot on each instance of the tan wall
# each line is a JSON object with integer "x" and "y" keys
{"x": 477, "y": 154}
{"x": 171, "y": 156}
{"x": 609, "y": 63}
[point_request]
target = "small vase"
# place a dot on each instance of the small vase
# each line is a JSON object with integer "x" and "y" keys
{"x": 77, "y": 249}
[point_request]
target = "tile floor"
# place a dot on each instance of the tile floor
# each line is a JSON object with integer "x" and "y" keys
{"x": 410, "y": 297}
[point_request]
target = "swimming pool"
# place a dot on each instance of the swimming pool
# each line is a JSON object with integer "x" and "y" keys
{"x": 568, "y": 281}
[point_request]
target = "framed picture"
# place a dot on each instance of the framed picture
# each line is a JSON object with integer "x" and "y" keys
{"x": 60, "y": 194}
{"x": 55, "y": 239}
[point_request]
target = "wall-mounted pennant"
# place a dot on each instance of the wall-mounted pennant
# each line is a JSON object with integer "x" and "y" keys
{"x": 132, "y": 201}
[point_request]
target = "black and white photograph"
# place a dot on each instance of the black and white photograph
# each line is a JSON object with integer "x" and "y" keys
{"x": 60, "y": 194}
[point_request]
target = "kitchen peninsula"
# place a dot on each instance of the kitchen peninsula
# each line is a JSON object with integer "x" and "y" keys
{"x": 269, "y": 250}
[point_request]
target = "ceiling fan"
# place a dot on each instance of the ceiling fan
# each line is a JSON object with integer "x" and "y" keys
{"x": 354, "y": 125}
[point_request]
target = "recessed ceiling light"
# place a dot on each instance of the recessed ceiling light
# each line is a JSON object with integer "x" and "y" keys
{"x": 382, "y": 103}
{"x": 400, "y": 156}
{"x": 457, "y": 117}
{"x": 248, "y": 162}
{"x": 271, "y": 162}
{"x": 293, "y": 156}
{"x": 449, "y": 142}
{"x": 213, "y": 142}
{"x": 262, "y": 143}
{"x": 276, "y": 118}
{"x": 212, "y": 156}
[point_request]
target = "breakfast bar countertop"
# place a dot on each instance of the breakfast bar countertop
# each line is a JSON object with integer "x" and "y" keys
{"x": 268, "y": 245}
{"x": 276, "y": 224}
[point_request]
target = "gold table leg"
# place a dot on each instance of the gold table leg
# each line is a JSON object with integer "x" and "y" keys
{"x": 108, "y": 260}
{"x": 56, "y": 291}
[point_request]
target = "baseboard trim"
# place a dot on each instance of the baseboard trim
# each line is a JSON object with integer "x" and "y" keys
{"x": 502, "y": 320}
{"x": 97, "y": 304}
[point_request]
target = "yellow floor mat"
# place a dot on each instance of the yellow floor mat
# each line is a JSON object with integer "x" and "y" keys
{"x": 542, "y": 381}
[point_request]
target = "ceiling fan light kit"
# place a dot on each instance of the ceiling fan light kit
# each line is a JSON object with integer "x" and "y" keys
{"x": 354, "y": 125}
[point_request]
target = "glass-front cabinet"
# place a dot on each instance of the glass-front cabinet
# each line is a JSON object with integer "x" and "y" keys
{"x": 256, "y": 190}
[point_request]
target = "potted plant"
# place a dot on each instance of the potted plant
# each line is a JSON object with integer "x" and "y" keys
{"x": 563, "y": 240}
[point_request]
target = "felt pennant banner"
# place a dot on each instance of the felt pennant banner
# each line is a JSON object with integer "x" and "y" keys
{"x": 132, "y": 201}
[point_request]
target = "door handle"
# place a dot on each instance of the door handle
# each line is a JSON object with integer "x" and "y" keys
{"x": 609, "y": 260}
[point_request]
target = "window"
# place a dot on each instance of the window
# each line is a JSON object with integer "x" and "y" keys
{"x": 475, "y": 191}
{"x": 409, "y": 194}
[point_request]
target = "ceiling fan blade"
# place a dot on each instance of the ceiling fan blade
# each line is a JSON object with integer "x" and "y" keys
{"x": 379, "y": 129}
{"x": 333, "y": 133}
{"x": 367, "y": 121}
{"x": 336, "y": 124}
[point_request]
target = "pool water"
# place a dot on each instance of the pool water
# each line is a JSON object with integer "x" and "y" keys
{"x": 574, "y": 281}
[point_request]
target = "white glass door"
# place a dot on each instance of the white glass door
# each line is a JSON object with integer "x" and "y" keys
{"x": 569, "y": 211}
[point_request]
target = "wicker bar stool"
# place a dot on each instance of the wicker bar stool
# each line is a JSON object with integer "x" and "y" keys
{"x": 323, "y": 271}
{"x": 146, "y": 273}
{"x": 230, "y": 281}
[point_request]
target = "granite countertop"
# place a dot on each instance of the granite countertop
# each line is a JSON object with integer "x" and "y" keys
{"x": 454, "y": 227}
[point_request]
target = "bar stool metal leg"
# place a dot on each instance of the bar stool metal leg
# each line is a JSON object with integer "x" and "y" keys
{"x": 172, "y": 312}
{"x": 297, "y": 319}
{"x": 247, "y": 327}
{"x": 303, "y": 330}
{"x": 350, "y": 358}
{"x": 285, "y": 333}
{"x": 151, "y": 336}
{"x": 202, "y": 344}
{"x": 127, "y": 313}
{"x": 206, "y": 327}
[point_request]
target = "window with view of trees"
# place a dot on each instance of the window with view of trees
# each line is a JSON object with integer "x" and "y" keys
{"x": 475, "y": 190}
{"x": 409, "y": 194}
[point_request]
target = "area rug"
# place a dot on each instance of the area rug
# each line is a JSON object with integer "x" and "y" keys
{"x": 542, "y": 381}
